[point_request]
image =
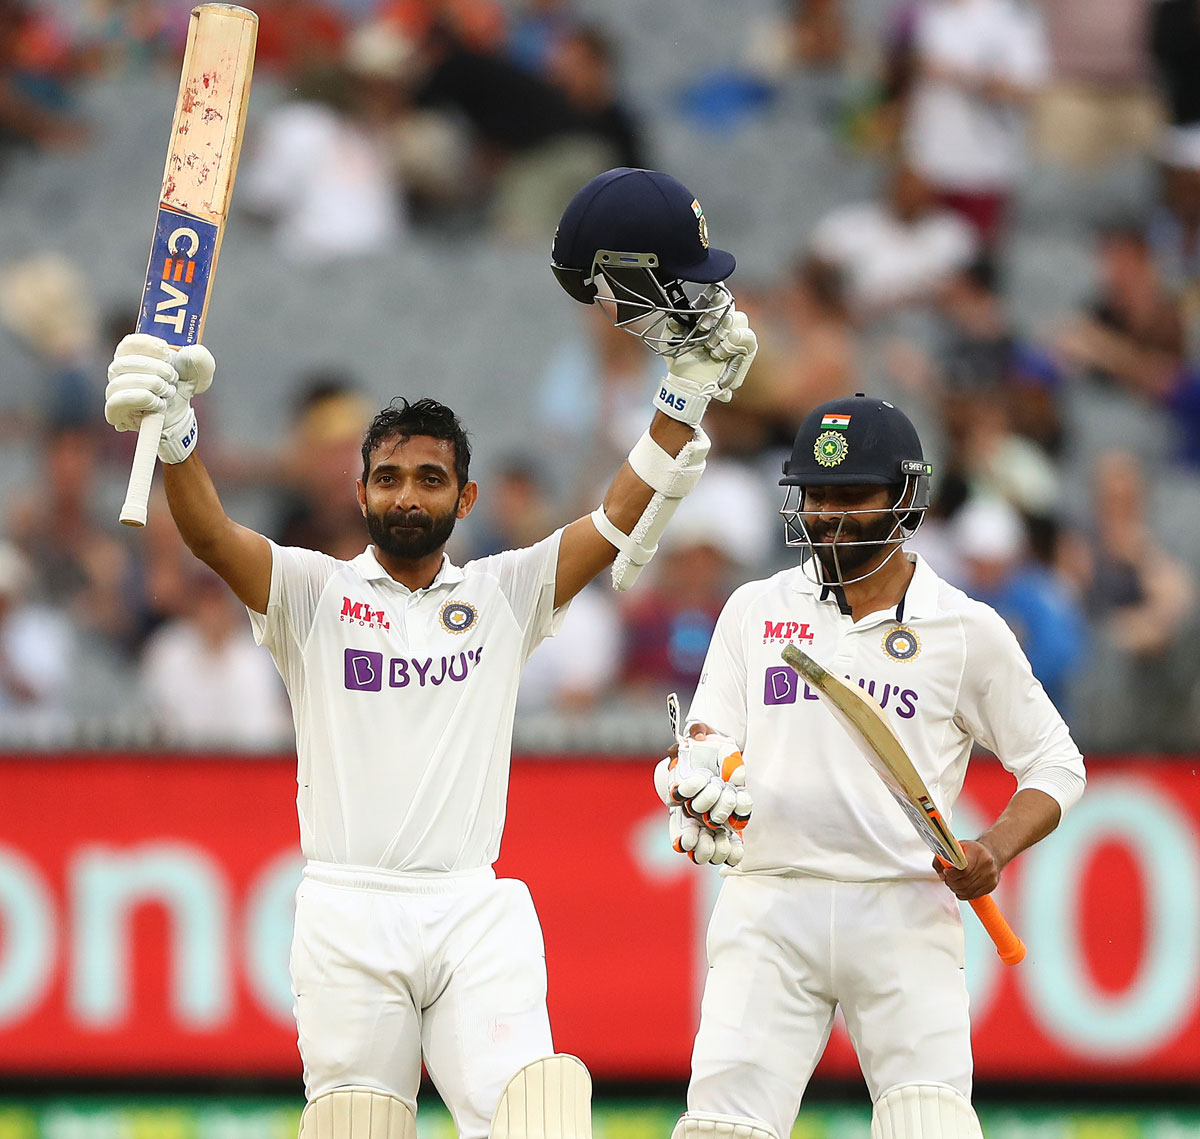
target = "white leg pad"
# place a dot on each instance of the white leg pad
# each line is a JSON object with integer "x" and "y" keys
{"x": 548, "y": 1099}
{"x": 924, "y": 1111}
{"x": 705, "y": 1125}
{"x": 357, "y": 1113}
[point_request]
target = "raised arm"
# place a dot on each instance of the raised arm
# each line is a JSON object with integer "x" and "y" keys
{"x": 146, "y": 375}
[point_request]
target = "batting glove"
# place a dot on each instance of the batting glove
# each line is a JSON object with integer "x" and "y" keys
{"x": 704, "y": 786}
{"x": 147, "y": 375}
{"x": 712, "y": 370}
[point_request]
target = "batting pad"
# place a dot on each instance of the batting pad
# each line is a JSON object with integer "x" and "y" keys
{"x": 704, "y": 1125}
{"x": 548, "y": 1099}
{"x": 924, "y": 1111}
{"x": 357, "y": 1113}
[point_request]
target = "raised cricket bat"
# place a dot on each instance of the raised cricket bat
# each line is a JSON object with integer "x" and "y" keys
{"x": 202, "y": 158}
{"x": 862, "y": 716}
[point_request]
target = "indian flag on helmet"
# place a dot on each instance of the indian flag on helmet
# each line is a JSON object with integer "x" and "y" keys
{"x": 837, "y": 422}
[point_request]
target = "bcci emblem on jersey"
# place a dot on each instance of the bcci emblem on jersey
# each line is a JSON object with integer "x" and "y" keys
{"x": 830, "y": 448}
{"x": 458, "y": 616}
{"x": 902, "y": 643}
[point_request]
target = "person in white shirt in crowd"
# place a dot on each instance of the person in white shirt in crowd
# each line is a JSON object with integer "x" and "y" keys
{"x": 233, "y": 698}
{"x": 897, "y": 251}
{"x": 403, "y": 668}
{"x": 979, "y": 64}
{"x": 830, "y": 899}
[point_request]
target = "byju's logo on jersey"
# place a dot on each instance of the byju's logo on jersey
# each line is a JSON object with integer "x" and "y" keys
{"x": 458, "y": 616}
{"x": 785, "y": 632}
{"x": 359, "y": 612}
{"x": 366, "y": 671}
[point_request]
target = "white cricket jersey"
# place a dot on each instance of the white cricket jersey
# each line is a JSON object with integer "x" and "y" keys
{"x": 403, "y": 701}
{"x": 947, "y": 671}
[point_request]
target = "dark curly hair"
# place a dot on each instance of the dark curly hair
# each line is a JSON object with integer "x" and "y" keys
{"x": 402, "y": 420}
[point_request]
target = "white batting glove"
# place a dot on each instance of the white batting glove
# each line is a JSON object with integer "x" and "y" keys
{"x": 712, "y": 370}
{"x": 147, "y": 375}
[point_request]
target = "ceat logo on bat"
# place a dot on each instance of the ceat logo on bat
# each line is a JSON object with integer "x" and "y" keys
{"x": 785, "y": 632}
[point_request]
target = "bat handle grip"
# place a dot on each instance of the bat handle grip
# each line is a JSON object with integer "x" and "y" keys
{"x": 137, "y": 495}
{"x": 1010, "y": 947}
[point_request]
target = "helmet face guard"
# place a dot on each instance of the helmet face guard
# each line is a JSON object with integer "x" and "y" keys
{"x": 907, "y": 513}
{"x": 669, "y": 315}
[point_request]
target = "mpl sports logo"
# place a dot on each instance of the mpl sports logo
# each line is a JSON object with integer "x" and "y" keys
{"x": 360, "y": 613}
{"x": 786, "y": 632}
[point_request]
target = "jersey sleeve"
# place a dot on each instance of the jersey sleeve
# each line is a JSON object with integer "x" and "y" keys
{"x": 1004, "y": 707}
{"x": 526, "y": 578}
{"x": 298, "y": 578}
{"x": 720, "y": 700}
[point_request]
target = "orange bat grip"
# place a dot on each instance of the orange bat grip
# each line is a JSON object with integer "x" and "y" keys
{"x": 1010, "y": 947}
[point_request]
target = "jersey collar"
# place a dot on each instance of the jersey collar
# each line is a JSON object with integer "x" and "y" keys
{"x": 919, "y": 600}
{"x": 369, "y": 569}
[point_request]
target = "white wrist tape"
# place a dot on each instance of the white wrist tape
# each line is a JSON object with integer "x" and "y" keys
{"x": 179, "y": 441}
{"x": 671, "y": 479}
{"x": 686, "y": 404}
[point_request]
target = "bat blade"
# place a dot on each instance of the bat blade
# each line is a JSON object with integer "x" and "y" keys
{"x": 202, "y": 157}
{"x": 871, "y": 730}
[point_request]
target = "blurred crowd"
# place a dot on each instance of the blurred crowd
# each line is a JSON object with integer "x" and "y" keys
{"x": 1067, "y": 449}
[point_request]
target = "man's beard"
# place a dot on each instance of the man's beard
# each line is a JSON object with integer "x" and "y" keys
{"x": 410, "y": 536}
{"x": 850, "y": 558}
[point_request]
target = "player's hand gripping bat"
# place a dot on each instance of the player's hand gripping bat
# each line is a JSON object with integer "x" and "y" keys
{"x": 206, "y": 138}
{"x": 862, "y": 716}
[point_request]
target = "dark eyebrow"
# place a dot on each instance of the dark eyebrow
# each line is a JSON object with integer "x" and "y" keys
{"x": 423, "y": 469}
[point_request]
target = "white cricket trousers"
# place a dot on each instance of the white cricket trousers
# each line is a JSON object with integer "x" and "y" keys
{"x": 784, "y": 953}
{"x": 390, "y": 968}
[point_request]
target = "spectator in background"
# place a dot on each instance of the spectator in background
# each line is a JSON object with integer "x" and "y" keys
{"x": 896, "y": 251}
{"x": 1099, "y": 105}
{"x": 978, "y": 65}
{"x": 321, "y": 511}
{"x": 1142, "y": 603}
{"x": 811, "y": 356}
{"x": 36, "y": 70}
{"x": 1035, "y": 603}
{"x": 36, "y": 650}
{"x": 535, "y": 31}
{"x": 317, "y": 168}
{"x": 233, "y": 697}
{"x": 1175, "y": 45}
{"x": 804, "y": 35}
{"x": 477, "y": 26}
{"x": 582, "y": 66}
{"x": 298, "y": 38}
{"x": 517, "y": 510}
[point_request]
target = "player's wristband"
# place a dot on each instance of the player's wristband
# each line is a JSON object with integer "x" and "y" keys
{"x": 679, "y": 402}
{"x": 179, "y": 441}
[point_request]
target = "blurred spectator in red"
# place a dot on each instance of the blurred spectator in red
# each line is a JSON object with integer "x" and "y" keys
{"x": 1142, "y": 603}
{"x": 233, "y": 697}
{"x": 581, "y": 65}
{"x": 324, "y": 458}
{"x": 1100, "y": 104}
{"x": 475, "y": 25}
{"x": 320, "y": 169}
{"x": 810, "y": 356}
{"x": 1033, "y": 600}
{"x": 36, "y": 70}
{"x": 1175, "y": 44}
{"x": 298, "y": 37}
{"x": 896, "y": 251}
{"x": 36, "y": 643}
{"x": 978, "y": 64}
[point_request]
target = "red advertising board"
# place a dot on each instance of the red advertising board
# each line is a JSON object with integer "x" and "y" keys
{"x": 145, "y": 910}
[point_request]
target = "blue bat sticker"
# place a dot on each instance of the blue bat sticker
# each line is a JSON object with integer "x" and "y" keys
{"x": 177, "y": 277}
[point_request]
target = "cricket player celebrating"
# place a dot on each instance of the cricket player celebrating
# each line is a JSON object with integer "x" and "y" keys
{"x": 402, "y": 670}
{"x": 829, "y": 898}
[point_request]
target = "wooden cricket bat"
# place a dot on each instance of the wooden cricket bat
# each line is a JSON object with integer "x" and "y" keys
{"x": 862, "y": 716}
{"x": 206, "y": 138}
